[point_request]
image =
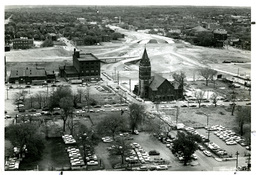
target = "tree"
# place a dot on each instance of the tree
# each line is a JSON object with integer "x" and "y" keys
{"x": 40, "y": 98}
{"x": 111, "y": 125}
{"x": 66, "y": 104}
{"x": 28, "y": 136}
{"x": 47, "y": 43}
{"x": 120, "y": 147}
{"x": 233, "y": 99}
{"x": 199, "y": 95}
{"x": 179, "y": 78}
{"x": 214, "y": 98}
{"x": 137, "y": 112}
{"x": 186, "y": 144}
{"x": 80, "y": 93}
{"x": 243, "y": 116}
{"x": 207, "y": 74}
{"x": 59, "y": 93}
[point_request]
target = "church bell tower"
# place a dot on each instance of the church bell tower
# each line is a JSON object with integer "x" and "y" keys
{"x": 144, "y": 75}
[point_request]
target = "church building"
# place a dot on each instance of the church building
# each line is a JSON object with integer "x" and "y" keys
{"x": 153, "y": 86}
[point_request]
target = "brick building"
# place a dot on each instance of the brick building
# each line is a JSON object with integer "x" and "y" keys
{"x": 86, "y": 66}
{"x": 22, "y": 43}
{"x": 29, "y": 75}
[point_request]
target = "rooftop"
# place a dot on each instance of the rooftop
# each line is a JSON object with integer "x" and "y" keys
{"x": 29, "y": 72}
{"x": 87, "y": 57}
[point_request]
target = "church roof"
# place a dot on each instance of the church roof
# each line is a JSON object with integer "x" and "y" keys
{"x": 145, "y": 60}
{"x": 156, "y": 81}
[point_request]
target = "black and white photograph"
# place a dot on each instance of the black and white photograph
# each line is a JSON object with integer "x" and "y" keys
{"x": 127, "y": 87}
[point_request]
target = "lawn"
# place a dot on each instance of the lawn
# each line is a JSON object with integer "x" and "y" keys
{"x": 195, "y": 117}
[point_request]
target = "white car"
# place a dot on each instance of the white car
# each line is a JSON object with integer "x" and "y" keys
{"x": 207, "y": 153}
{"x": 231, "y": 143}
{"x": 107, "y": 139}
{"x": 92, "y": 162}
{"x": 162, "y": 167}
{"x": 194, "y": 156}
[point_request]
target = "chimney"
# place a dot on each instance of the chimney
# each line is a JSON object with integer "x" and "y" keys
{"x": 77, "y": 54}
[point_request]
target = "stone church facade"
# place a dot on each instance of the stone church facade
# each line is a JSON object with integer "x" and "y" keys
{"x": 153, "y": 86}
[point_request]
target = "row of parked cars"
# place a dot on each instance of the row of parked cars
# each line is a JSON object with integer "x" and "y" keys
{"x": 149, "y": 163}
{"x": 229, "y": 137}
{"x": 210, "y": 145}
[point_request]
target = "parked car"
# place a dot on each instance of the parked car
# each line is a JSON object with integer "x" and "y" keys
{"x": 162, "y": 167}
{"x": 7, "y": 116}
{"x": 194, "y": 156}
{"x": 136, "y": 132}
{"x": 32, "y": 110}
{"x": 107, "y": 139}
{"x": 153, "y": 152}
{"x": 207, "y": 153}
{"x": 21, "y": 110}
{"x": 231, "y": 142}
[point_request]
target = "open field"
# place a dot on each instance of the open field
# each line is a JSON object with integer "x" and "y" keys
{"x": 173, "y": 56}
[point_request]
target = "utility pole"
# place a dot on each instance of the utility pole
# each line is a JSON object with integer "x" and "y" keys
{"x": 249, "y": 162}
{"x": 177, "y": 115}
{"x": 118, "y": 77}
{"x": 130, "y": 85}
{"x": 237, "y": 153}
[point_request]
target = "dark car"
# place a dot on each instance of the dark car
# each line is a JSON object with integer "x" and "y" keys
{"x": 153, "y": 152}
{"x": 56, "y": 113}
{"x": 32, "y": 110}
{"x": 21, "y": 110}
{"x": 183, "y": 106}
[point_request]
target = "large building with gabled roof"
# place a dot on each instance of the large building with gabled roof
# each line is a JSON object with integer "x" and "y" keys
{"x": 155, "y": 87}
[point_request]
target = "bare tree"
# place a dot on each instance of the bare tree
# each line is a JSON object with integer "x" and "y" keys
{"x": 66, "y": 103}
{"x": 80, "y": 93}
{"x": 199, "y": 95}
{"x": 214, "y": 98}
{"x": 31, "y": 100}
{"x": 41, "y": 98}
{"x": 207, "y": 74}
{"x": 179, "y": 77}
{"x": 120, "y": 147}
{"x": 87, "y": 97}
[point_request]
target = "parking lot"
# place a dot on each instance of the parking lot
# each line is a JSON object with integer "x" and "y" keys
{"x": 231, "y": 149}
